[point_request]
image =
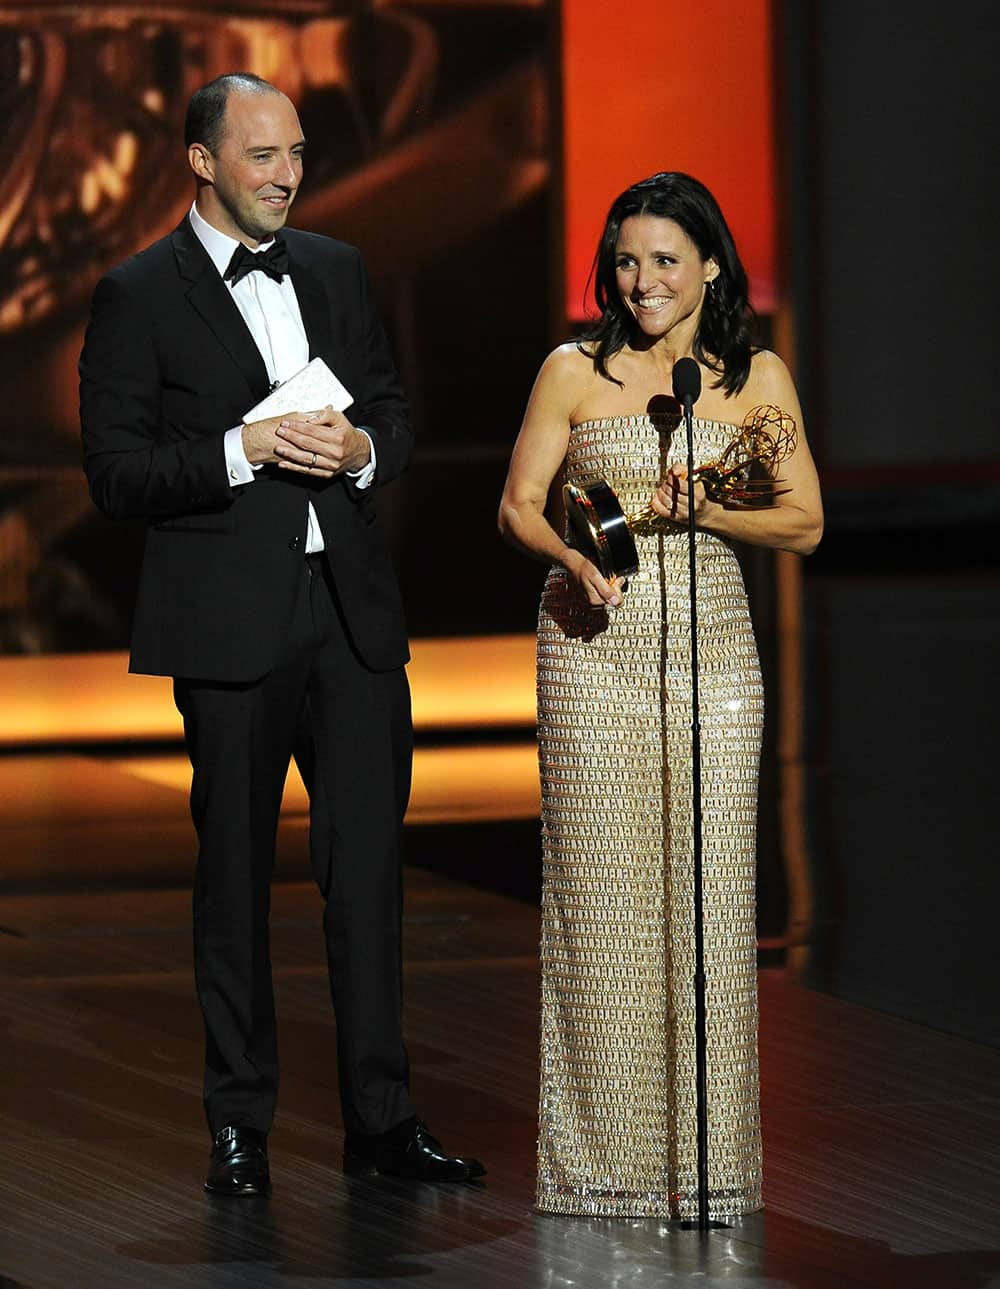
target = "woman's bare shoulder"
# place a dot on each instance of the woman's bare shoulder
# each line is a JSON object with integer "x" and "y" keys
{"x": 768, "y": 376}
{"x": 566, "y": 375}
{"x": 768, "y": 384}
{"x": 570, "y": 361}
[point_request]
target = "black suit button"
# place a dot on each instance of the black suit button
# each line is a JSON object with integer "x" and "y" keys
{"x": 294, "y": 543}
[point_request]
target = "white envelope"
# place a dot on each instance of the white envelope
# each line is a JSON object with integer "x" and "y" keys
{"x": 310, "y": 389}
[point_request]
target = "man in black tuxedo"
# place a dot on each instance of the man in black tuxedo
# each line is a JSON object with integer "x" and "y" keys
{"x": 267, "y": 593}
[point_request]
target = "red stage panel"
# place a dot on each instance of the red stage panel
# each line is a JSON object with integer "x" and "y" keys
{"x": 662, "y": 85}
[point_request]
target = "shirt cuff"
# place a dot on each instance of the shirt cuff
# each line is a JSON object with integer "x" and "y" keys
{"x": 365, "y": 477}
{"x": 238, "y": 468}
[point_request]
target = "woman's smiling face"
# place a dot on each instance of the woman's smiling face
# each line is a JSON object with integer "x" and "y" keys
{"x": 660, "y": 274}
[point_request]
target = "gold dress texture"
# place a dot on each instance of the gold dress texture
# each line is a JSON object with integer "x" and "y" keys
{"x": 617, "y": 1115}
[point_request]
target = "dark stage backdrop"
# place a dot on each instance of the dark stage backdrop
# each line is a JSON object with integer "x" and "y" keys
{"x": 893, "y": 121}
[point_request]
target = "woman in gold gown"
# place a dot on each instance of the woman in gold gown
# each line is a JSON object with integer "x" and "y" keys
{"x": 617, "y": 1121}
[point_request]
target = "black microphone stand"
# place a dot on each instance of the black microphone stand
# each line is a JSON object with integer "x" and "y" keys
{"x": 700, "y": 1034}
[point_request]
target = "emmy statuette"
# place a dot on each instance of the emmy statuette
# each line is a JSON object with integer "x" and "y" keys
{"x": 604, "y": 533}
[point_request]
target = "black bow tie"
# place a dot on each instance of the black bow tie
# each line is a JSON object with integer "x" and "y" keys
{"x": 273, "y": 262}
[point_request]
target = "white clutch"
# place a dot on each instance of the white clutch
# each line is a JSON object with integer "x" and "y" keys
{"x": 309, "y": 390}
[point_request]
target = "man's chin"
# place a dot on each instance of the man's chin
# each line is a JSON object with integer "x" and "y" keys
{"x": 263, "y": 232}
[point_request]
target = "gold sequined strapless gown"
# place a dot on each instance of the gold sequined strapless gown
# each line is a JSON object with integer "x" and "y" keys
{"x": 617, "y": 1120}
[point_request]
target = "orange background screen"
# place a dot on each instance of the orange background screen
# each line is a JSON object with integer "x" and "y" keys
{"x": 654, "y": 85}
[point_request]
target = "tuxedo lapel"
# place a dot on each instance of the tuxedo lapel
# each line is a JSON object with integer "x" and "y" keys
{"x": 314, "y": 308}
{"x": 326, "y": 319}
{"x": 209, "y": 296}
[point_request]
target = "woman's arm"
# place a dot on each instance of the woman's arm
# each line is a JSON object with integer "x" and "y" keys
{"x": 538, "y": 454}
{"x": 795, "y": 521}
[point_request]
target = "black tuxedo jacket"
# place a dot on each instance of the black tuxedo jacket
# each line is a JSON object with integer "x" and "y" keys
{"x": 167, "y": 367}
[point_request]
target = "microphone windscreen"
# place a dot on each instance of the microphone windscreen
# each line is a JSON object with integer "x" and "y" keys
{"x": 687, "y": 380}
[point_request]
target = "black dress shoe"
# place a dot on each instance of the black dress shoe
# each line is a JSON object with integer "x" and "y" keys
{"x": 408, "y": 1150}
{"x": 239, "y": 1163}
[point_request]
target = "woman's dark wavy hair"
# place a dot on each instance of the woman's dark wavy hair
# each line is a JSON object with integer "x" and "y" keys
{"x": 723, "y": 340}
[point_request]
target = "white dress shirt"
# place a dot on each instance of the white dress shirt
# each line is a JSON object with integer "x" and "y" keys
{"x": 271, "y": 311}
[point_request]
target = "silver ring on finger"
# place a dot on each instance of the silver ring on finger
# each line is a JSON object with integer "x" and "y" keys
{"x": 312, "y": 463}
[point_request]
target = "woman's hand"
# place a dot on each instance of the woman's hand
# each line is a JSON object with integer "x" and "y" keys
{"x": 598, "y": 590}
{"x": 671, "y": 498}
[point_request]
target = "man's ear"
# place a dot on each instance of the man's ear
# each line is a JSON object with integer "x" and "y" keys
{"x": 201, "y": 162}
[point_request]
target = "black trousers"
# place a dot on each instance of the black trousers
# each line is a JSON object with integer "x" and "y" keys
{"x": 350, "y": 731}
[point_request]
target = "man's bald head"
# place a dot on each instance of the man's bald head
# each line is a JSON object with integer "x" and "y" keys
{"x": 206, "y": 112}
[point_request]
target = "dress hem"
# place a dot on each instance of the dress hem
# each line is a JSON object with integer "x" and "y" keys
{"x": 629, "y": 1206}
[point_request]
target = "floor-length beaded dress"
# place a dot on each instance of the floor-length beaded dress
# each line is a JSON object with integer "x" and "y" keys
{"x": 617, "y": 1122}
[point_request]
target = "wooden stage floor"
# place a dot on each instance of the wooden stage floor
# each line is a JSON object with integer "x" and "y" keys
{"x": 882, "y": 1139}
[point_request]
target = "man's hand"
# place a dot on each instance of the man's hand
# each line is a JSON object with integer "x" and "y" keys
{"x": 260, "y": 441}
{"x": 322, "y": 444}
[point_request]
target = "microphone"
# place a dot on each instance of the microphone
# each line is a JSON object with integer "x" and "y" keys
{"x": 687, "y": 383}
{"x": 687, "y": 387}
